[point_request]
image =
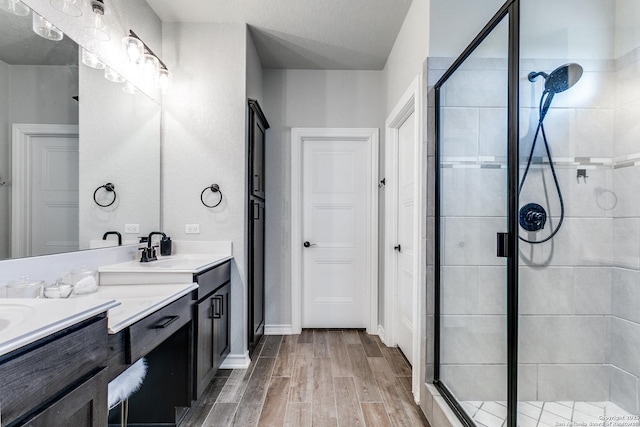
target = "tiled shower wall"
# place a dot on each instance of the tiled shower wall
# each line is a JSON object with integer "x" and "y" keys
{"x": 625, "y": 315}
{"x": 565, "y": 284}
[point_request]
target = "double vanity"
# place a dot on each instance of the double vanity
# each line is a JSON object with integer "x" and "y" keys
{"x": 57, "y": 356}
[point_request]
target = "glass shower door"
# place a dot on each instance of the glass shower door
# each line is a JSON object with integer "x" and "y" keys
{"x": 472, "y": 177}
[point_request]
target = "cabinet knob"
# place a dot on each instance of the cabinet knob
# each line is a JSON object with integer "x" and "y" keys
{"x": 308, "y": 245}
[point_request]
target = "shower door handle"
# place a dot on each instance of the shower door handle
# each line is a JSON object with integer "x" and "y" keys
{"x": 502, "y": 245}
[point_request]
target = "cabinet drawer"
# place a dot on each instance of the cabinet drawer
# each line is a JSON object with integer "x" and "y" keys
{"x": 151, "y": 331}
{"x": 212, "y": 279}
{"x": 40, "y": 372}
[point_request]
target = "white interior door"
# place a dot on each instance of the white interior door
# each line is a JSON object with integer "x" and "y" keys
{"x": 54, "y": 195}
{"x": 335, "y": 188}
{"x": 44, "y": 208}
{"x": 406, "y": 237}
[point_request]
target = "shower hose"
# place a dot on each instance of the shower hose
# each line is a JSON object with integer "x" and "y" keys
{"x": 540, "y": 130}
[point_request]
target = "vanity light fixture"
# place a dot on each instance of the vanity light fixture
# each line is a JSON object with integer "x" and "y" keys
{"x": 15, "y": 7}
{"x": 134, "y": 49}
{"x": 152, "y": 66}
{"x": 46, "y": 29}
{"x": 68, "y": 7}
{"x": 164, "y": 80}
{"x": 98, "y": 29}
{"x": 112, "y": 76}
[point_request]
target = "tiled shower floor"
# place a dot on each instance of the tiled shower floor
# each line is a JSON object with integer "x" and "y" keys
{"x": 552, "y": 414}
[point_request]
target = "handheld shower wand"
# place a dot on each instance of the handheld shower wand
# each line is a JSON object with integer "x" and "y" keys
{"x": 533, "y": 216}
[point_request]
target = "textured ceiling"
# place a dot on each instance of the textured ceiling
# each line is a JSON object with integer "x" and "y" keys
{"x": 19, "y": 45}
{"x": 304, "y": 34}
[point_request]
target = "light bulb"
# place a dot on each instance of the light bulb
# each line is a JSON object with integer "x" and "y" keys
{"x": 68, "y": 7}
{"x": 133, "y": 48}
{"x": 46, "y": 29}
{"x": 164, "y": 80}
{"x": 15, "y": 7}
{"x": 98, "y": 29}
{"x": 112, "y": 76}
{"x": 150, "y": 66}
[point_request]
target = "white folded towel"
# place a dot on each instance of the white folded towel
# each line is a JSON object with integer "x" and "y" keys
{"x": 85, "y": 285}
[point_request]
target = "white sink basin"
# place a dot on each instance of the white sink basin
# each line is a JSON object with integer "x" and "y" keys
{"x": 14, "y": 314}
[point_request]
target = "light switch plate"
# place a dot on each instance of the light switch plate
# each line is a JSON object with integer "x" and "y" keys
{"x": 132, "y": 228}
{"x": 192, "y": 228}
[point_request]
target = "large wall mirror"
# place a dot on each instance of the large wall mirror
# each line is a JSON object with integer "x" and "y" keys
{"x": 66, "y": 131}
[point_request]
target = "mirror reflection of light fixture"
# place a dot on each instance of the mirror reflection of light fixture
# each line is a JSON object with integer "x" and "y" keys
{"x": 90, "y": 57}
{"x": 45, "y": 29}
{"x": 129, "y": 88}
{"x": 68, "y": 7}
{"x": 15, "y": 7}
{"x": 98, "y": 29}
{"x": 112, "y": 76}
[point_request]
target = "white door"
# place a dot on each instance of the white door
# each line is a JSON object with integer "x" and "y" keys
{"x": 406, "y": 237}
{"x": 54, "y": 195}
{"x": 335, "y": 203}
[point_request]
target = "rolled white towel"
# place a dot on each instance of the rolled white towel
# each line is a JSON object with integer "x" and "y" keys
{"x": 127, "y": 383}
{"x": 86, "y": 285}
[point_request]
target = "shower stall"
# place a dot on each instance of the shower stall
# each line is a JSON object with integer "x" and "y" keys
{"x": 536, "y": 217}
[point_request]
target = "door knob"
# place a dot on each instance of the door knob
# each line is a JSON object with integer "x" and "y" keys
{"x": 398, "y": 248}
{"x": 308, "y": 245}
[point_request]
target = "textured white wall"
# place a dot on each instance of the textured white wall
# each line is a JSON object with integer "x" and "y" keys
{"x": 204, "y": 143}
{"x": 120, "y": 144}
{"x": 304, "y": 98}
{"x": 409, "y": 52}
{"x": 254, "y": 71}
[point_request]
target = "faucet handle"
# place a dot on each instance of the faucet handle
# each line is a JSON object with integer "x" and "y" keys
{"x": 145, "y": 255}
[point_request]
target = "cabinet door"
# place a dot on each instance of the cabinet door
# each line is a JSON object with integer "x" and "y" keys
{"x": 84, "y": 406}
{"x": 205, "y": 358}
{"x": 222, "y": 336}
{"x": 256, "y": 292}
{"x": 257, "y": 128}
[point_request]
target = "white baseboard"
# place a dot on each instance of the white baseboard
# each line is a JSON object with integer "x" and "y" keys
{"x": 278, "y": 329}
{"x": 236, "y": 361}
{"x": 381, "y": 334}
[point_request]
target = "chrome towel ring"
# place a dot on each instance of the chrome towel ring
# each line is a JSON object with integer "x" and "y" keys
{"x": 215, "y": 188}
{"x": 109, "y": 188}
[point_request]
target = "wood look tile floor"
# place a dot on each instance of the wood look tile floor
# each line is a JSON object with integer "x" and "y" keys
{"x": 318, "y": 378}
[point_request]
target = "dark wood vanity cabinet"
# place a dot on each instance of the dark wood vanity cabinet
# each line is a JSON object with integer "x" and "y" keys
{"x": 212, "y": 335}
{"x": 258, "y": 126}
{"x": 59, "y": 380}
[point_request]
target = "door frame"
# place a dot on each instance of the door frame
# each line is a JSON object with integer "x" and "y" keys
{"x": 298, "y": 136}
{"x": 410, "y": 102}
{"x": 22, "y": 141}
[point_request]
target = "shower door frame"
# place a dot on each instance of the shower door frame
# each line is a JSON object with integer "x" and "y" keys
{"x": 510, "y": 10}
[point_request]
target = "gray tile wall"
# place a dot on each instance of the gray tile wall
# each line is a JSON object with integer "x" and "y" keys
{"x": 566, "y": 292}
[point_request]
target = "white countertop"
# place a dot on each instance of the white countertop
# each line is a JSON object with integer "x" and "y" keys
{"x": 137, "y": 301}
{"x": 189, "y": 263}
{"x": 23, "y": 321}
{"x": 166, "y": 270}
